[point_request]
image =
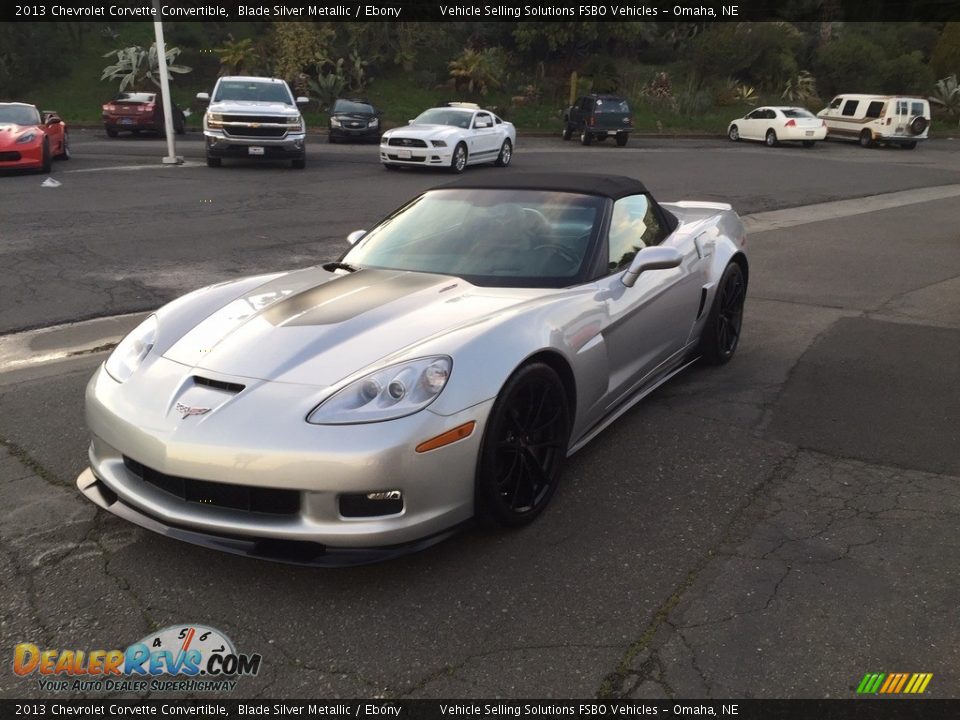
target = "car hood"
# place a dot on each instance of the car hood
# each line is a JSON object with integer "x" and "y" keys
{"x": 438, "y": 132}
{"x": 241, "y": 107}
{"x": 9, "y": 132}
{"x": 314, "y": 327}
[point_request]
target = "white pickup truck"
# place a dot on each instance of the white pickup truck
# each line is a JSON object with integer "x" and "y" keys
{"x": 254, "y": 117}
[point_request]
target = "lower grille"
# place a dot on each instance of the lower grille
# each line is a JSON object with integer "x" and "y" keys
{"x": 9, "y": 156}
{"x": 409, "y": 159}
{"x": 224, "y": 495}
{"x": 273, "y": 132}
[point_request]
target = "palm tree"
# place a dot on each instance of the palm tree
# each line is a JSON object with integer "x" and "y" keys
{"x": 135, "y": 64}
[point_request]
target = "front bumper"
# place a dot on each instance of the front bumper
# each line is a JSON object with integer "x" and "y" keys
{"x": 21, "y": 156}
{"x": 231, "y": 444}
{"x": 347, "y": 133}
{"x": 219, "y": 144}
{"x": 416, "y": 156}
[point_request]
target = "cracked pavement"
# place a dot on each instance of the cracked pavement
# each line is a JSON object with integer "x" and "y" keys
{"x": 773, "y": 528}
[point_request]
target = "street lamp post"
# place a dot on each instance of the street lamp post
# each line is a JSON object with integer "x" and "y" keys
{"x": 172, "y": 158}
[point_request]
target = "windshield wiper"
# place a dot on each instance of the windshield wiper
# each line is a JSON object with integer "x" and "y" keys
{"x": 337, "y": 265}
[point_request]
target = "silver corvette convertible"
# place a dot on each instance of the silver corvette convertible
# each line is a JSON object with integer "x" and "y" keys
{"x": 442, "y": 369}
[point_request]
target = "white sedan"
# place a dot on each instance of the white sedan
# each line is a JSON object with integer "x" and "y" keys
{"x": 773, "y": 125}
{"x": 452, "y": 137}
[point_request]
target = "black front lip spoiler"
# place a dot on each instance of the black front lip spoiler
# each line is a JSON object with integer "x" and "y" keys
{"x": 291, "y": 552}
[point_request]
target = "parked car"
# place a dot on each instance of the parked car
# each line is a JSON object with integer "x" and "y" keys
{"x": 29, "y": 139}
{"x": 773, "y": 125}
{"x": 254, "y": 117}
{"x": 597, "y": 117}
{"x": 137, "y": 112}
{"x": 444, "y": 367}
{"x": 353, "y": 119}
{"x": 878, "y": 119}
{"x": 453, "y": 137}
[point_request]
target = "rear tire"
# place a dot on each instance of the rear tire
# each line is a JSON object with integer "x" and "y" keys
{"x": 771, "y": 139}
{"x": 721, "y": 334}
{"x": 622, "y": 139}
{"x": 912, "y": 145}
{"x": 567, "y": 131}
{"x": 214, "y": 161}
{"x": 585, "y": 137}
{"x": 524, "y": 447}
{"x": 65, "y": 149}
{"x": 506, "y": 154}
{"x": 809, "y": 143}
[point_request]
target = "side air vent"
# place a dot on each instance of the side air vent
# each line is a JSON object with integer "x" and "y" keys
{"x": 703, "y": 301}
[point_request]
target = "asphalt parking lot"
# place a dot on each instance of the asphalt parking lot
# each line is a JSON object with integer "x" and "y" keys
{"x": 774, "y": 528}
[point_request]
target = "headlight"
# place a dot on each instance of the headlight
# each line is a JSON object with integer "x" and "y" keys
{"x": 386, "y": 394}
{"x": 438, "y": 143}
{"x": 334, "y": 122}
{"x": 373, "y": 123}
{"x": 214, "y": 120}
{"x": 24, "y": 139}
{"x": 127, "y": 356}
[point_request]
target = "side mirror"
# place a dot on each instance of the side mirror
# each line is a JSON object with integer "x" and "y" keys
{"x": 651, "y": 258}
{"x": 203, "y": 97}
{"x": 355, "y": 235}
{"x": 409, "y": 122}
{"x": 302, "y": 100}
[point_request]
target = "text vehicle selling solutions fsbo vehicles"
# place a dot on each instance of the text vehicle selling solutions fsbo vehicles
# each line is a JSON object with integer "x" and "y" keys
{"x": 444, "y": 367}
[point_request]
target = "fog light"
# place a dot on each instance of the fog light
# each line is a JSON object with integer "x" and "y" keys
{"x": 371, "y": 504}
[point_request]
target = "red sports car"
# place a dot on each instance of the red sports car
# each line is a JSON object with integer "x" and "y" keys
{"x": 136, "y": 111}
{"x": 29, "y": 139}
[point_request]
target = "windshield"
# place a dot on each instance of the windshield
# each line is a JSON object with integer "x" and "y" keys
{"x": 348, "y": 106}
{"x": 611, "y": 105}
{"x": 252, "y": 91}
{"x": 19, "y": 115}
{"x": 512, "y": 238}
{"x": 445, "y": 116}
{"x": 797, "y": 113}
{"x": 135, "y": 97}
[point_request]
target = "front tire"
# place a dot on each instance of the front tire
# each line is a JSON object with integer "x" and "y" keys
{"x": 111, "y": 132}
{"x": 585, "y": 137}
{"x": 567, "y": 131}
{"x": 734, "y": 133}
{"x": 506, "y": 154}
{"x": 458, "y": 163}
{"x": 524, "y": 447}
{"x": 771, "y": 139}
{"x": 622, "y": 139}
{"x": 391, "y": 166}
{"x": 214, "y": 161}
{"x": 46, "y": 160}
{"x": 866, "y": 139}
{"x": 299, "y": 163}
{"x": 721, "y": 334}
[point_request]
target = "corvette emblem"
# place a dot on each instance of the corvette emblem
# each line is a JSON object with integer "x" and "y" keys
{"x": 186, "y": 411}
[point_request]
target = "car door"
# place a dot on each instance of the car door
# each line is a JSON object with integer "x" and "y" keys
{"x": 750, "y": 123}
{"x": 649, "y": 323}
{"x": 484, "y": 138}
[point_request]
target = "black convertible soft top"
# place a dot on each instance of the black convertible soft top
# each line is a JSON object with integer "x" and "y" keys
{"x": 611, "y": 186}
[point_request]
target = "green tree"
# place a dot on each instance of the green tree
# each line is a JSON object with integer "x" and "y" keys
{"x": 946, "y": 54}
{"x": 850, "y": 63}
{"x": 298, "y": 46}
{"x": 135, "y": 65}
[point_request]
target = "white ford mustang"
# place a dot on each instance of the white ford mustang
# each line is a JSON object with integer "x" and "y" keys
{"x": 453, "y": 137}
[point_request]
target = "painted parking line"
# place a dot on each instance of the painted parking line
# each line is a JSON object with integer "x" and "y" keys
{"x": 61, "y": 342}
{"x": 153, "y": 166}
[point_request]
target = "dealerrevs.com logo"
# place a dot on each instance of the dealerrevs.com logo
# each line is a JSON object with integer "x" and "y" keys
{"x": 188, "y": 658}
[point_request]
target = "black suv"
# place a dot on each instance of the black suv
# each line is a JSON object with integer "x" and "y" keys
{"x": 354, "y": 119}
{"x": 596, "y": 117}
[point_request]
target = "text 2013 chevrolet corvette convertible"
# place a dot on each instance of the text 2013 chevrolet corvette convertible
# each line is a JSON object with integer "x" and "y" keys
{"x": 445, "y": 366}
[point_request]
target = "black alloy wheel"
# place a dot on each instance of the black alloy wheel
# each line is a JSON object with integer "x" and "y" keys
{"x": 524, "y": 447}
{"x": 721, "y": 335}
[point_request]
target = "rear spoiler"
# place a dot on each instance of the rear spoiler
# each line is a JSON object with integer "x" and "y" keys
{"x": 705, "y": 205}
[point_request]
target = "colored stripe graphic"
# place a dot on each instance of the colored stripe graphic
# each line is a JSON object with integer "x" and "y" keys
{"x": 894, "y": 683}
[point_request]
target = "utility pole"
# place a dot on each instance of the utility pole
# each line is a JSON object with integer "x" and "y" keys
{"x": 172, "y": 158}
